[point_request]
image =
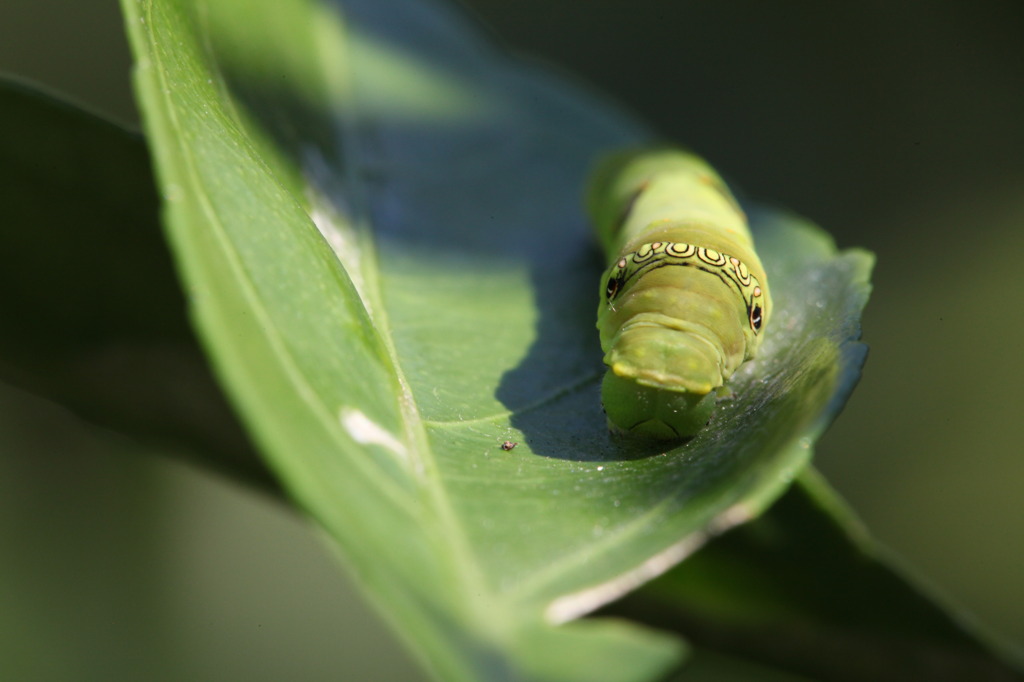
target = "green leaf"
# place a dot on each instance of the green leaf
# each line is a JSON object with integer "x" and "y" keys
{"x": 804, "y": 589}
{"x": 378, "y": 222}
{"x": 94, "y": 317}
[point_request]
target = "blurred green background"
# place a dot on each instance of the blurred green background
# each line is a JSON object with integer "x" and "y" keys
{"x": 897, "y": 126}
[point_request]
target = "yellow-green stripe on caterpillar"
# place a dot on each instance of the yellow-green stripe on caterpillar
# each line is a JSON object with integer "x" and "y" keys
{"x": 685, "y": 300}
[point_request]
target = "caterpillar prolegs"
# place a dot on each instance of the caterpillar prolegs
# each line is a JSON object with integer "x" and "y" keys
{"x": 685, "y": 299}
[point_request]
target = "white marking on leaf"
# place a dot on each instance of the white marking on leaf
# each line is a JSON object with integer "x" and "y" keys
{"x": 367, "y": 432}
{"x": 330, "y": 211}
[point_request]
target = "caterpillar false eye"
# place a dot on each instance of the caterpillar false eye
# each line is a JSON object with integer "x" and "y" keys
{"x": 685, "y": 300}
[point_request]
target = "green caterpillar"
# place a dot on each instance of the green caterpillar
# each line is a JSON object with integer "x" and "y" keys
{"x": 685, "y": 300}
